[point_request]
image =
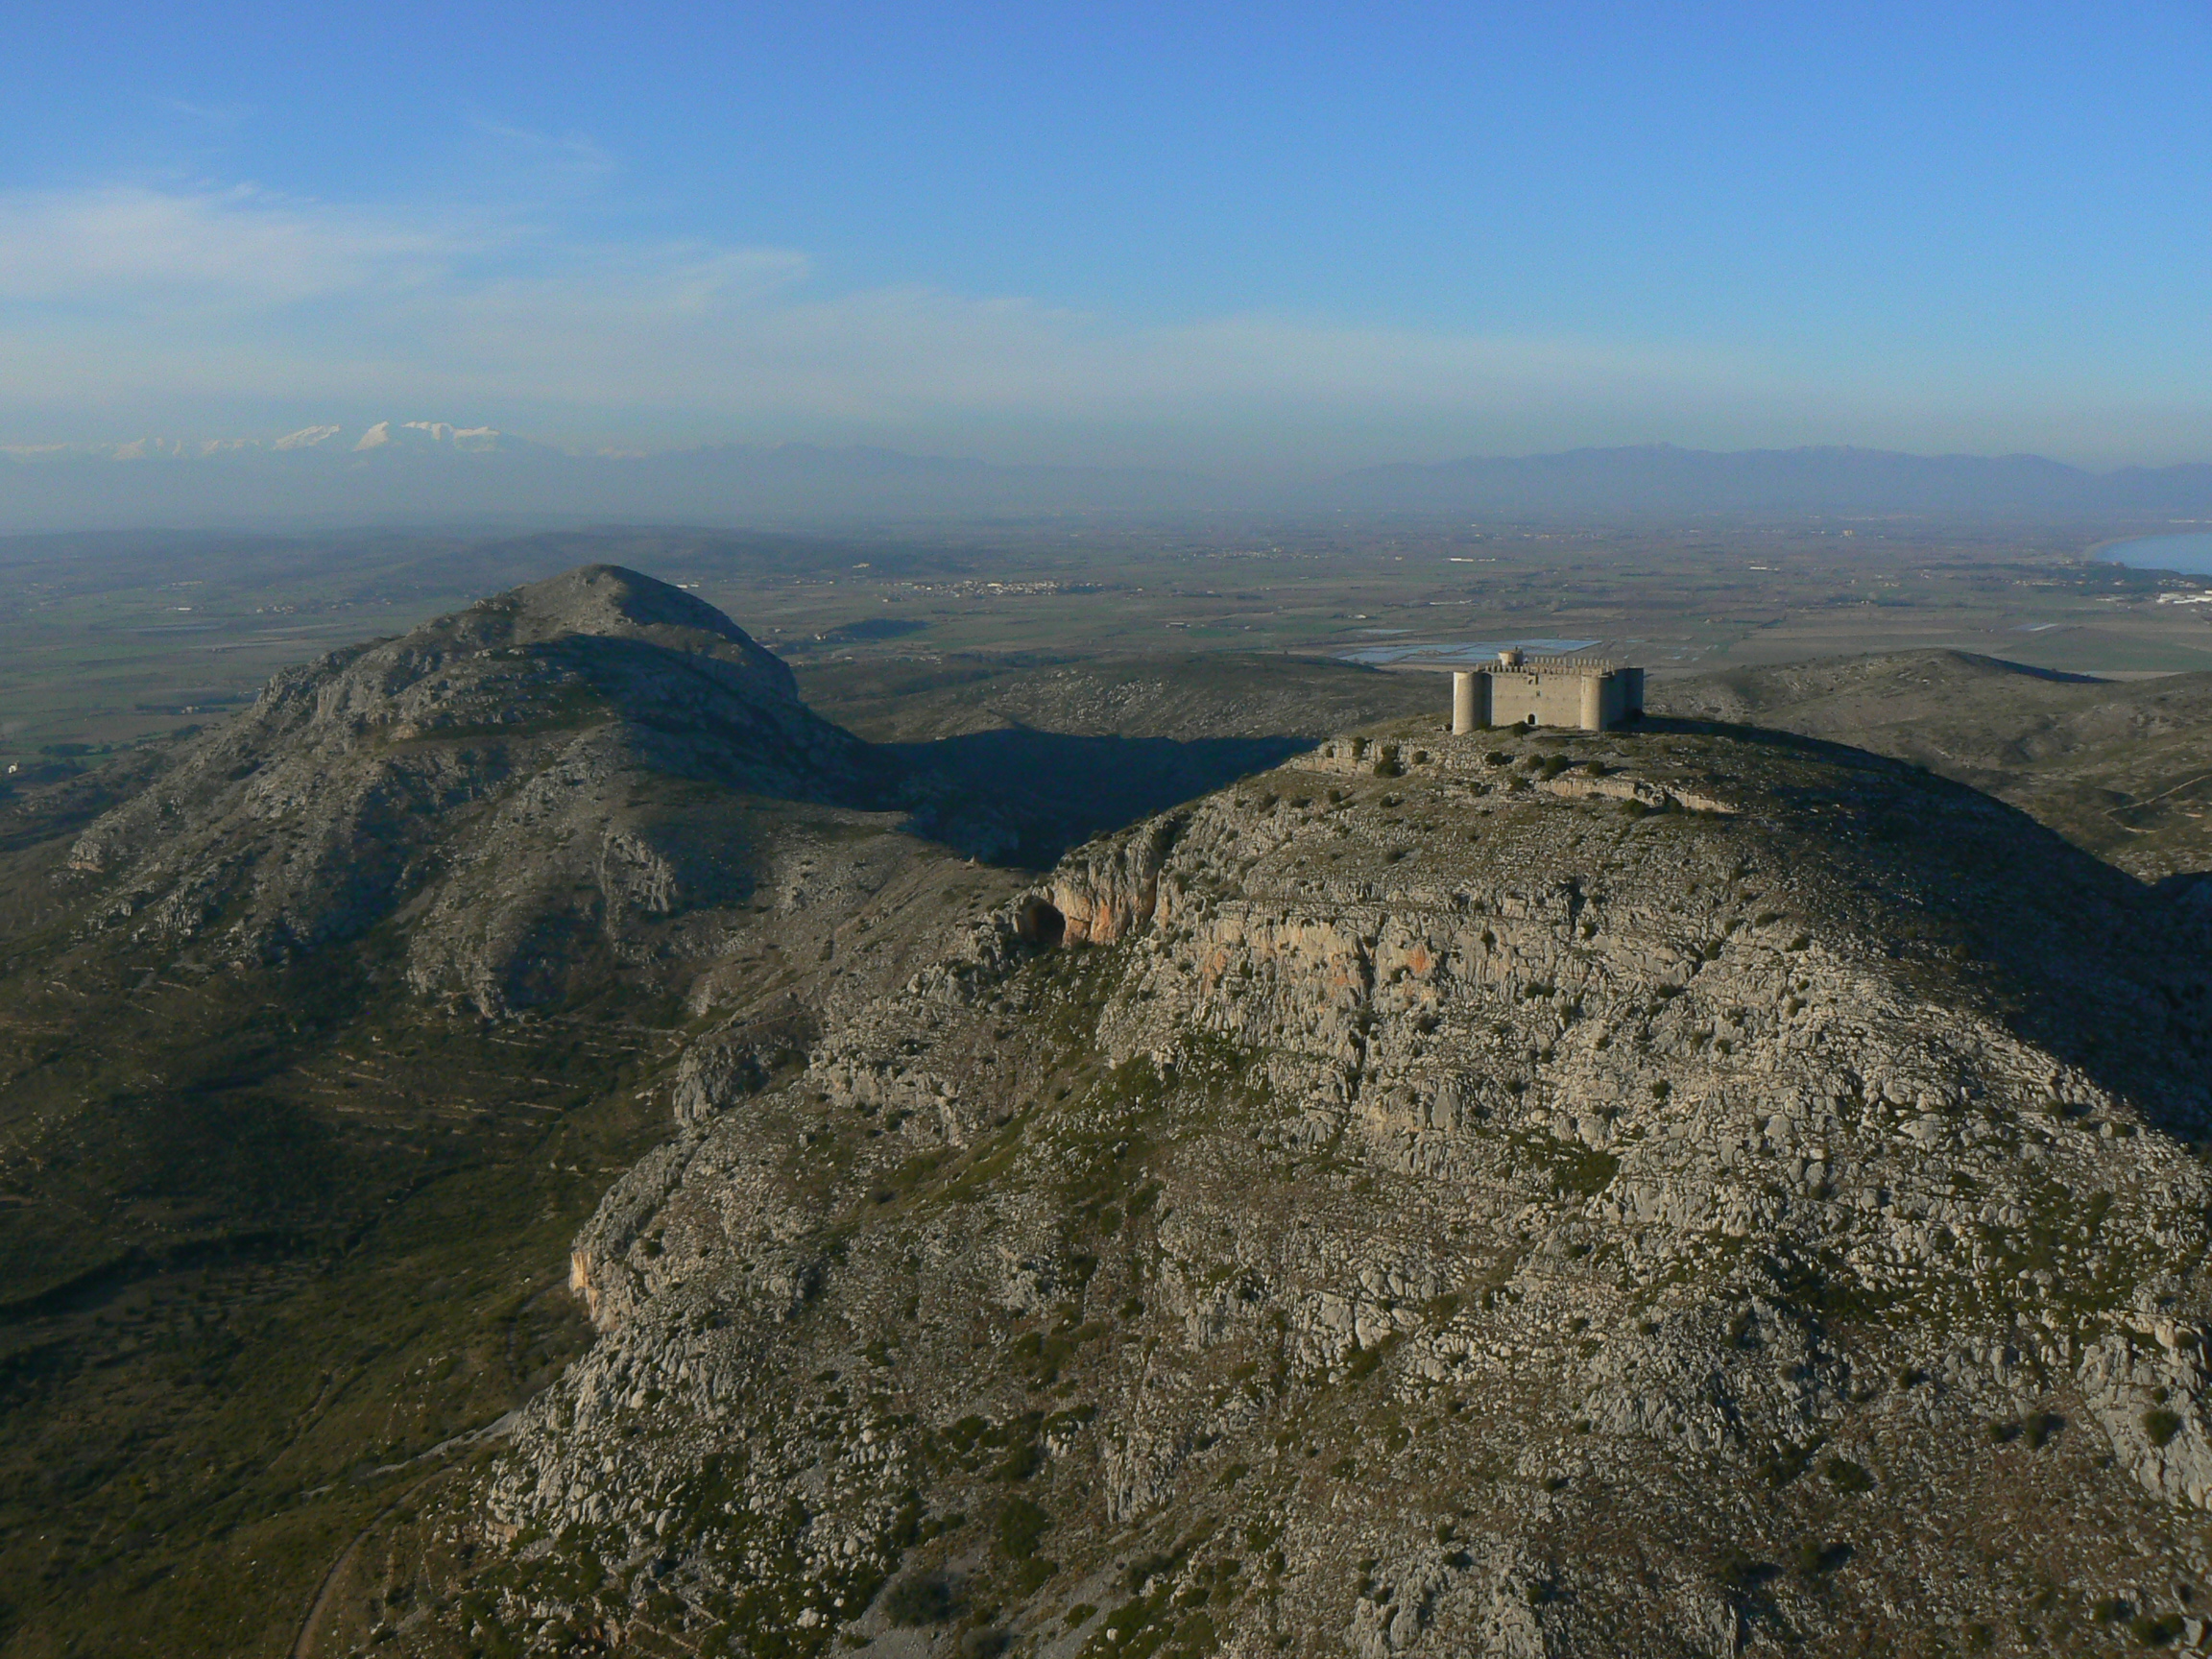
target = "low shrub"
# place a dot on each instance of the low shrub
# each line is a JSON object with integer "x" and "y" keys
{"x": 1847, "y": 1475}
{"x": 1816, "y": 1560}
{"x": 1021, "y": 1524}
{"x": 2161, "y": 1631}
{"x": 924, "y": 1599}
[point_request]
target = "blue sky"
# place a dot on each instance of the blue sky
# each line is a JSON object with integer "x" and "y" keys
{"x": 1248, "y": 238}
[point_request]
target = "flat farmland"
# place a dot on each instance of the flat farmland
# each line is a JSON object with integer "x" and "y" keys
{"x": 107, "y": 642}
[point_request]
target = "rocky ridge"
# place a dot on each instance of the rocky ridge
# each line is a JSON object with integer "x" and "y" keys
{"x": 1668, "y": 1193}
{"x": 323, "y": 1029}
{"x": 505, "y": 779}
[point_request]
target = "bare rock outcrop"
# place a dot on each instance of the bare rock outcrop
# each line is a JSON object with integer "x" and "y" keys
{"x": 1406, "y": 1208}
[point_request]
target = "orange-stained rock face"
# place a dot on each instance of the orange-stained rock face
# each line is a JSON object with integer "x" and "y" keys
{"x": 1098, "y": 913}
{"x": 1100, "y": 895}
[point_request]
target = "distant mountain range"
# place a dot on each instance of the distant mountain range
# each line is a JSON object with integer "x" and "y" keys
{"x": 420, "y": 472}
{"x": 1659, "y": 478}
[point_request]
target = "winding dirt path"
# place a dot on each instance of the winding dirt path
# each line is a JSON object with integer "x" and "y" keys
{"x": 311, "y": 1626}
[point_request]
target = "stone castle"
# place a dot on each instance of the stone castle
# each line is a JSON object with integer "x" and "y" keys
{"x": 1582, "y": 691}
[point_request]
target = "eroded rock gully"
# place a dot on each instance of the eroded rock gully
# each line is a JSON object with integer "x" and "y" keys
{"x": 1418, "y": 1201}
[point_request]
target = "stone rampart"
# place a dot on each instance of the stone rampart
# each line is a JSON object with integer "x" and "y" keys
{"x": 1582, "y": 693}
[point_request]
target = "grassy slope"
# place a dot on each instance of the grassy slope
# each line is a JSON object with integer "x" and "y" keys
{"x": 261, "y": 1233}
{"x": 237, "y": 1297}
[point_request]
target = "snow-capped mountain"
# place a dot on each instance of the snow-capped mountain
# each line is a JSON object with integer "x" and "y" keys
{"x": 413, "y": 471}
{"x": 399, "y": 437}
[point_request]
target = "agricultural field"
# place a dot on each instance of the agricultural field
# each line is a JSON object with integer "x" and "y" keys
{"x": 109, "y": 640}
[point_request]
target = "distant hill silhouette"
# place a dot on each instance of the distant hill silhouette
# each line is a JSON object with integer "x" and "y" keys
{"x": 1660, "y": 478}
{"x": 433, "y": 473}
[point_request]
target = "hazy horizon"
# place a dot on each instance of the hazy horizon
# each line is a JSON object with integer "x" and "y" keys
{"x": 1248, "y": 243}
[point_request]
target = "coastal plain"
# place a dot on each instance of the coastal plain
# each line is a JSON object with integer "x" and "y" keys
{"x": 106, "y": 640}
{"x": 469, "y": 1095}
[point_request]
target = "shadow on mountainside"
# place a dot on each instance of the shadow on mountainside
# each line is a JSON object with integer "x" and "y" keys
{"x": 2121, "y": 769}
{"x": 1020, "y": 796}
{"x": 2102, "y": 970}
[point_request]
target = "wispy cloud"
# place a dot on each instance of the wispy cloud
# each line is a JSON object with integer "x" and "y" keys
{"x": 227, "y": 116}
{"x": 133, "y": 299}
{"x": 130, "y": 252}
{"x": 575, "y": 154}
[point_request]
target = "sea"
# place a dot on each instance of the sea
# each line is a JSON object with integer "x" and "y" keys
{"x": 2190, "y": 552}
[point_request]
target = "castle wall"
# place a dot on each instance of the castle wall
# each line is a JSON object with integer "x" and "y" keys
{"x": 1516, "y": 694}
{"x": 1546, "y": 697}
{"x": 1631, "y": 691}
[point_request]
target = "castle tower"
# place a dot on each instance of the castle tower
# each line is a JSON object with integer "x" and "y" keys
{"x": 1464, "y": 695}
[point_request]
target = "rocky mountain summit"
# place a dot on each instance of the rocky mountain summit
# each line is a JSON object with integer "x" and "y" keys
{"x": 1672, "y": 1192}
{"x": 569, "y": 713}
{"x": 323, "y": 1028}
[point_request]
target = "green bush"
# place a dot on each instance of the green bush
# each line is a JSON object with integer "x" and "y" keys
{"x": 1020, "y": 1525}
{"x": 2163, "y": 1631}
{"x": 1847, "y": 1475}
{"x": 2161, "y": 1424}
{"x": 1816, "y": 1560}
{"x": 1741, "y": 1572}
{"x": 924, "y": 1599}
{"x": 1364, "y": 1360}
{"x": 1148, "y": 1566}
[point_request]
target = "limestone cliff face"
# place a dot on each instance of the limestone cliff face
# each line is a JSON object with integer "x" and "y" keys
{"x": 1101, "y": 893}
{"x": 1419, "y": 1201}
